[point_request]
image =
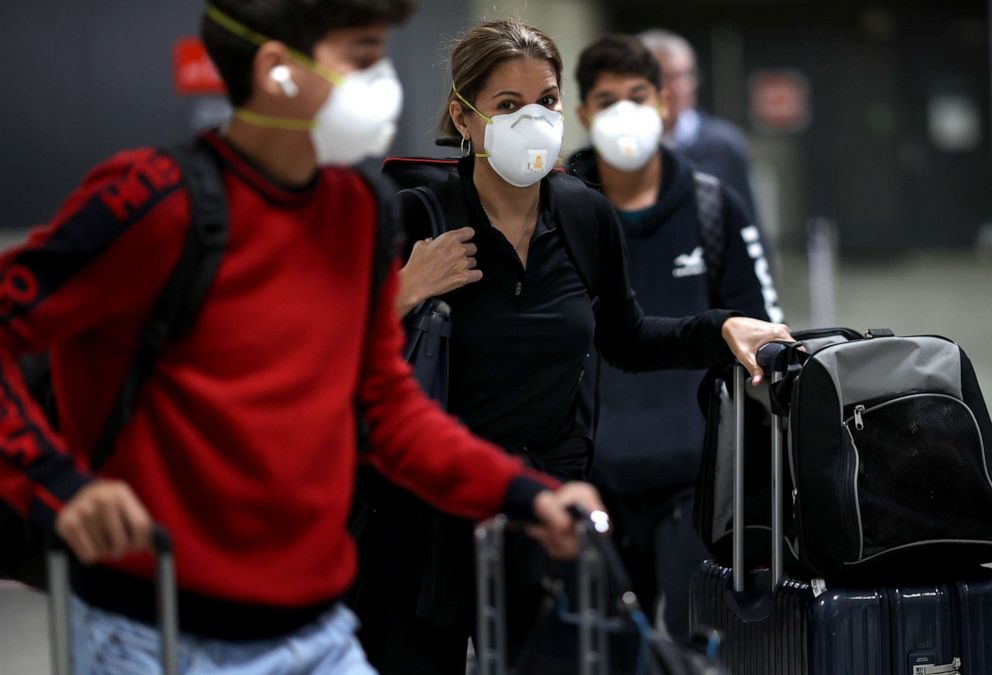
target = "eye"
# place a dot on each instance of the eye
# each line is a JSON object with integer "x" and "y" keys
{"x": 639, "y": 100}
{"x": 506, "y": 106}
{"x": 549, "y": 101}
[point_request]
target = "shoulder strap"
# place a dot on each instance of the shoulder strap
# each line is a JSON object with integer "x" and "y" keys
{"x": 431, "y": 204}
{"x": 580, "y": 227}
{"x": 387, "y": 219}
{"x": 179, "y": 302}
{"x": 709, "y": 210}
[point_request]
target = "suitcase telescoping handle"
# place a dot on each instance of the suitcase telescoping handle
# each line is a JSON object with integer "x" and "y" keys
{"x": 598, "y": 563}
{"x": 773, "y": 359}
{"x": 600, "y": 571}
{"x": 490, "y": 579}
{"x": 60, "y": 618}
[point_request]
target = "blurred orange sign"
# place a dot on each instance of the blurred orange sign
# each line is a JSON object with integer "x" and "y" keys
{"x": 779, "y": 100}
{"x": 194, "y": 72}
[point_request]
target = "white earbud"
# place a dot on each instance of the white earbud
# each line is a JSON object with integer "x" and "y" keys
{"x": 281, "y": 76}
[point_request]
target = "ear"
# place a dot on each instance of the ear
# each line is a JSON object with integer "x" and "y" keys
{"x": 268, "y": 56}
{"x": 665, "y": 108}
{"x": 457, "y": 114}
{"x": 585, "y": 116}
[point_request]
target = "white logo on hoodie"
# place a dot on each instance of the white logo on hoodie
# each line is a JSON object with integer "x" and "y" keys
{"x": 690, "y": 264}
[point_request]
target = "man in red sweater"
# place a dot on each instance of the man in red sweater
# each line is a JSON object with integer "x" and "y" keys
{"x": 243, "y": 439}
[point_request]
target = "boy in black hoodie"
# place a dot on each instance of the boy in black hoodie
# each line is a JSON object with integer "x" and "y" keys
{"x": 691, "y": 247}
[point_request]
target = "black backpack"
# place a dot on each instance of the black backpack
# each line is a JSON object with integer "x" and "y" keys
{"x": 22, "y": 542}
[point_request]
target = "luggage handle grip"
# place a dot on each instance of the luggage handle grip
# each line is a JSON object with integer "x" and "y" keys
{"x": 166, "y": 602}
{"x": 160, "y": 540}
{"x": 776, "y": 357}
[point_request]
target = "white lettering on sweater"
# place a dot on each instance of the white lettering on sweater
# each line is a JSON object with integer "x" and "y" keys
{"x": 756, "y": 252}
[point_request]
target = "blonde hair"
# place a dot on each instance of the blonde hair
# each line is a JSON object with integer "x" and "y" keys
{"x": 483, "y": 48}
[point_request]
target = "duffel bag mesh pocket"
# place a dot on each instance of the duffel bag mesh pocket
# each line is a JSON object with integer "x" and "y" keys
{"x": 922, "y": 473}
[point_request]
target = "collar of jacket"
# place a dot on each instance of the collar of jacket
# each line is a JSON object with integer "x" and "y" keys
{"x": 676, "y": 186}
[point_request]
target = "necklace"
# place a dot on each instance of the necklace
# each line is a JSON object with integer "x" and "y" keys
{"x": 530, "y": 222}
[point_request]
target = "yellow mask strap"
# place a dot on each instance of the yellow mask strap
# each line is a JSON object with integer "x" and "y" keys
{"x": 258, "y": 39}
{"x": 489, "y": 120}
{"x": 284, "y": 123}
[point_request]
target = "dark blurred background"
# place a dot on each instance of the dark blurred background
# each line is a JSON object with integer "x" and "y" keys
{"x": 897, "y": 149}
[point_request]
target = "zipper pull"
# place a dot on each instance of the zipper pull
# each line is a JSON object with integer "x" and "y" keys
{"x": 518, "y": 289}
{"x": 859, "y": 422}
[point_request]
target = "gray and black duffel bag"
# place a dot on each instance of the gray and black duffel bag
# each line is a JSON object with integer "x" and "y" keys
{"x": 888, "y": 456}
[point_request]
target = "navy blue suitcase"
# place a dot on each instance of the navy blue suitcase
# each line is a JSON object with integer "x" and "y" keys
{"x": 912, "y": 630}
{"x": 777, "y": 625}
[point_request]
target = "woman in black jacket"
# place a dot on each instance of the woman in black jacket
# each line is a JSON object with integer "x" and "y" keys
{"x": 533, "y": 267}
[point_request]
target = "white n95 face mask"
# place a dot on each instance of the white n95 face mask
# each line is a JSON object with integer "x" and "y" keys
{"x": 626, "y": 134}
{"x": 358, "y": 119}
{"x": 522, "y": 147}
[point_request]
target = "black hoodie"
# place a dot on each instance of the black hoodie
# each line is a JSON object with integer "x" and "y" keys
{"x": 650, "y": 430}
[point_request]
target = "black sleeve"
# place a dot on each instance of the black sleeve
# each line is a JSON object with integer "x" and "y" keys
{"x": 633, "y": 342}
{"x": 745, "y": 282}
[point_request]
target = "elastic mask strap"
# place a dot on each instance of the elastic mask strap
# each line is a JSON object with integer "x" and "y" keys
{"x": 258, "y": 39}
{"x": 489, "y": 120}
{"x": 284, "y": 123}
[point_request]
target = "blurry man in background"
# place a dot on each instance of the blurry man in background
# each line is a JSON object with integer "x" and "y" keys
{"x": 713, "y": 145}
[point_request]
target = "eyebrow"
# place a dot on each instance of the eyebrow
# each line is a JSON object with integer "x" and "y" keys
{"x": 599, "y": 96}
{"x": 508, "y": 92}
{"x": 367, "y": 41}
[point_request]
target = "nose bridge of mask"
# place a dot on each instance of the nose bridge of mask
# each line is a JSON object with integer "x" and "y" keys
{"x": 625, "y": 103}
{"x": 535, "y": 118}
{"x": 239, "y": 29}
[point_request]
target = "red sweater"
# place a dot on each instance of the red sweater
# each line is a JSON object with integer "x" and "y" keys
{"x": 243, "y": 439}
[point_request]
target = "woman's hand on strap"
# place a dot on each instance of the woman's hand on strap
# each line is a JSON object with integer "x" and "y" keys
{"x": 745, "y": 336}
{"x": 437, "y": 266}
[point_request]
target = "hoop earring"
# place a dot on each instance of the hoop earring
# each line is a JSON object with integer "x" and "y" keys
{"x": 466, "y": 146}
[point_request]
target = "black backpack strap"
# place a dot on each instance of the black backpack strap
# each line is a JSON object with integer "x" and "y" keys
{"x": 179, "y": 302}
{"x": 432, "y": 205}
{"x": 709, "y": 211}
{"x": 387, "y": 230}
{"x": 409, "y": 172}
{"x": 386, "y": 246}
{"x": 580, "y": 227}
{"x": 450, "y": 198}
